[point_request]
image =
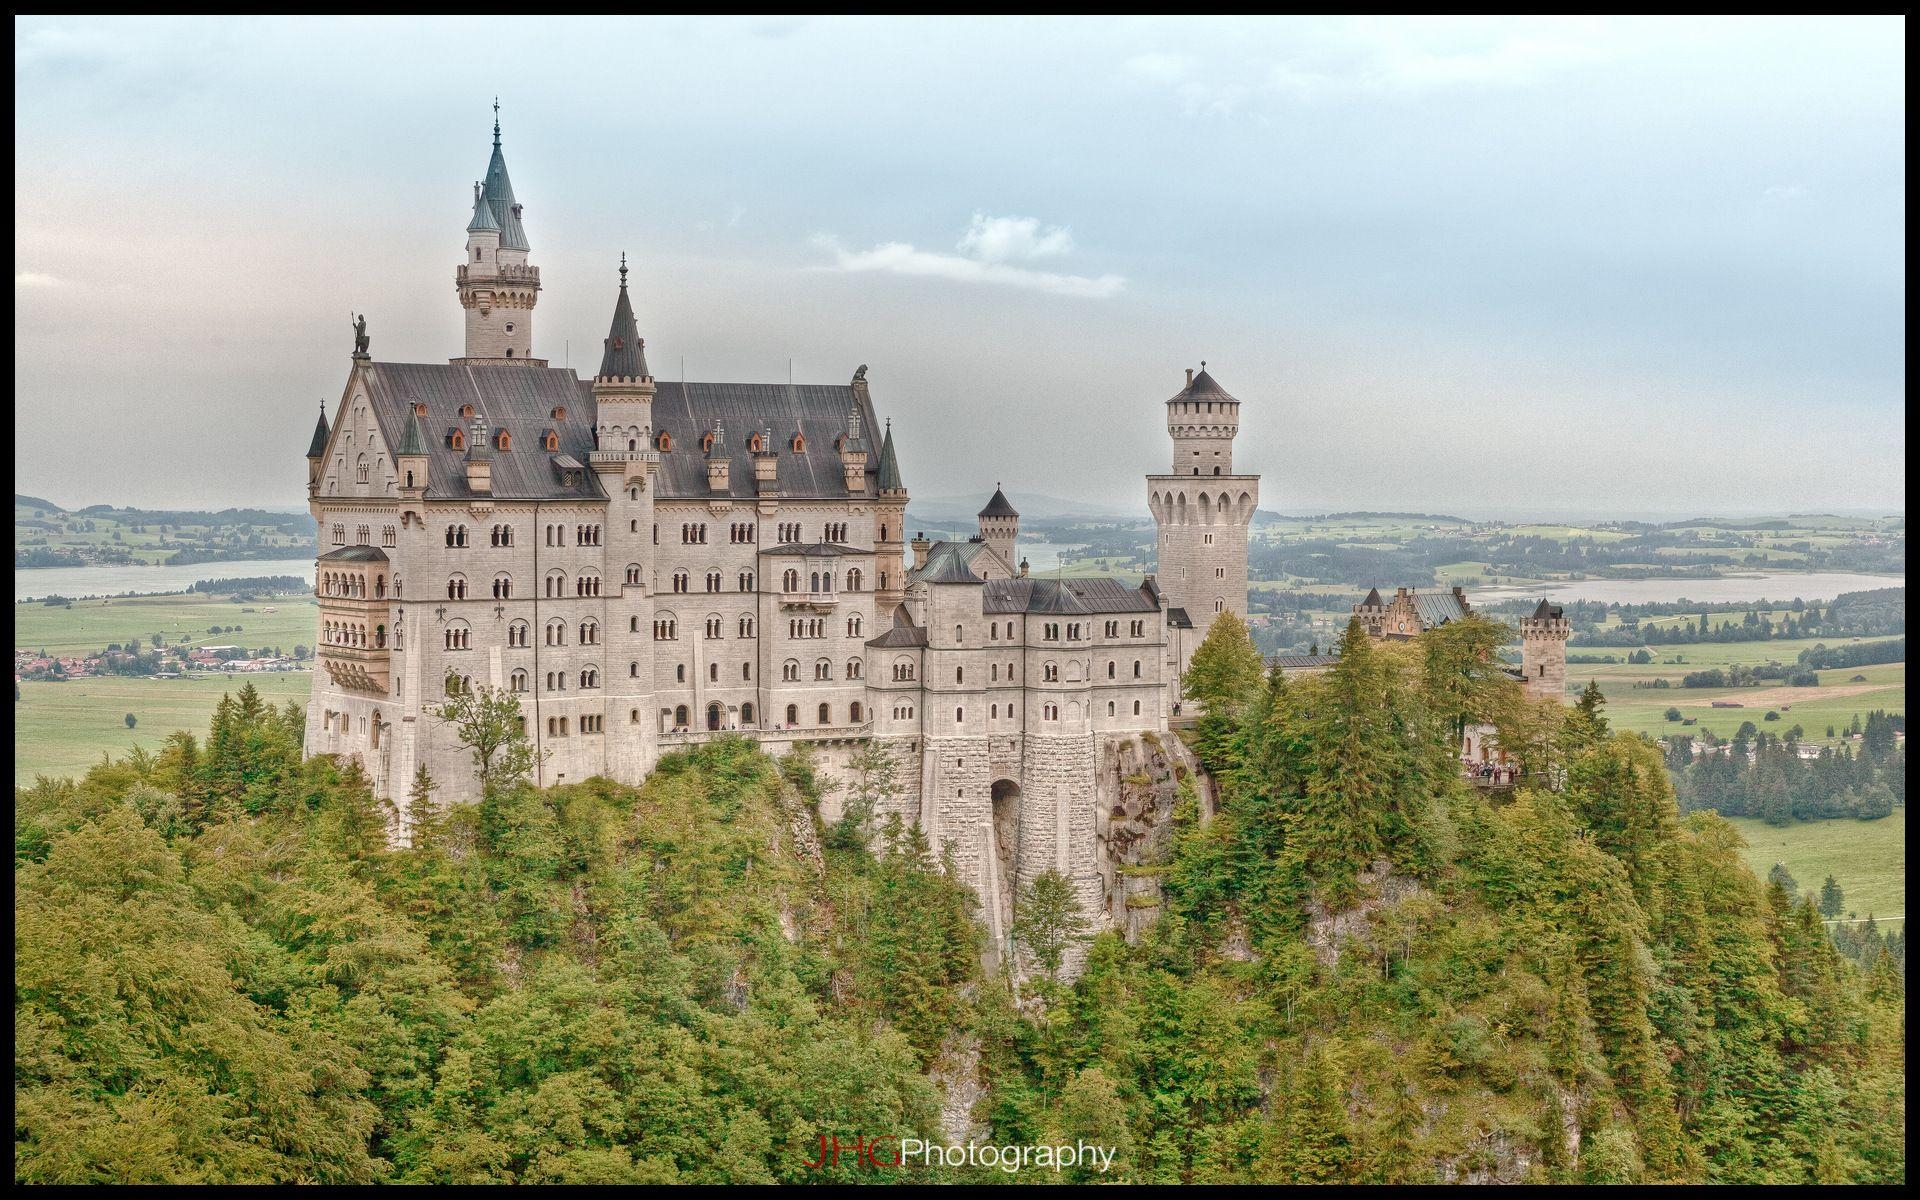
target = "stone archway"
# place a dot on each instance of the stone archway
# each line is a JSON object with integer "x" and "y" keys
{"x": 1006, "y": 850}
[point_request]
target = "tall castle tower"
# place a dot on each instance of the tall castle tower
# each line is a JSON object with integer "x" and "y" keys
{"x": 1203, "y": 510}
{"x": 498, "y": 286}
{"x": 1000, "y": 529}
{"x": 1543, "y": 652}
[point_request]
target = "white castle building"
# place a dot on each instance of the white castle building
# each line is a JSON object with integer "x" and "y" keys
{"x": 647, "y": 565}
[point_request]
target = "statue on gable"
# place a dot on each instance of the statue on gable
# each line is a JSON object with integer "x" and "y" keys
{"x": 360, "y": 336}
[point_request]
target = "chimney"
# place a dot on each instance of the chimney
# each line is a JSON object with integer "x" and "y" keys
{"x": 1189, "y": 376}
{"x": 921, "y": 547}
{"x": 717, "y": 460}
{"x": 766, "y": 465}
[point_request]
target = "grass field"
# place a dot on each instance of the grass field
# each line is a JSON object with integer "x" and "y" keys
{"x": 1834, "y": 702}
{"x": 64, "y": 728}
{"x": 1868, "y": 859}
{"x": 90, "y": 625}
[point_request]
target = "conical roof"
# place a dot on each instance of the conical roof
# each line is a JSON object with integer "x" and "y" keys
{"x": 318, "y": 447}
{"x": 1204, "y": 387}
{"x": 499, "y": 193}
{"x": 889, "y": 465}
{"x": 483, "y": 220}
{"x": 1546, "y": 612}
{"x": 1373, "y": 598}
{"x": 414, "y": 440}
{"x": 998, "y": 506}
{"x": 625, "y": 354}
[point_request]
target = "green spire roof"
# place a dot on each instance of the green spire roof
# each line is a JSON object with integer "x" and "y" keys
{"x": 625, "y": 354}
{"x": 319, "y": 446}
{"x": 889, "y": 465}
{"x": 414, "y": 440}
{"x": 482, "y": 214}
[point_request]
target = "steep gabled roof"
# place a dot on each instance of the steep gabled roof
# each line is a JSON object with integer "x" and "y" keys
{"x": 1373, "y": 599}
{"x": 414, "y": 441}
{"x": 1437, "y": 608}
{"x": 904, "y": 634}
{"x": 1101, "y": 594}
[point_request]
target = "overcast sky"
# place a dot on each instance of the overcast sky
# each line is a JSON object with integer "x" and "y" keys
{"x": 1626, "y": 265}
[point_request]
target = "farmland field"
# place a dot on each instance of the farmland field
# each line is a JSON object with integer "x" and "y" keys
{"x": 90, "y": 625}
{"x": 1868, "y": 859}
{"x": 63, "y": 728}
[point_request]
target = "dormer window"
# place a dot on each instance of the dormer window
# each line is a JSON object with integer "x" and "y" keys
{"x": 560, "y": 413}
{"x": 666, "y": 440}
{"x": 755, "y": 445}
{"x": 420, "y": 408}
{"x": 552, "y": 440}
{"x": 503, "y": 440}
{"x": 466, "y": 410}
{"x": 706, "y": 443}
{"x": 457, "y": 440}
{"x": 799, "y": 444}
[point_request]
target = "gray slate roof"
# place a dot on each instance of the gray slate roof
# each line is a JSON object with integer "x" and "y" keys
{"x": 1100, "y": 594}
{"x": 355, "y": 554}
{"x": 1177, "y": 618}
{"x": 1437, "y": 608}
{"x": 517, "y": 399}
{"x": 522, "y": 399}
{"x": 1373, "y": 598}
{"x": 818, "y": 412}
{"x": 942, "y": 560}
{"x": 889, "y": 464}
{"x": 1302, "y": 662}
{"x": 499, "y": 192}
{"x": 1203, "y": 387}
{"x": 624, "y": 354}
{"x": 903, "y": 634}
{"x": 1547, "y": 612}
{"x": 483, "y": 219}
{"x": 318, "y": 447}
{"x": 998, "y": 506}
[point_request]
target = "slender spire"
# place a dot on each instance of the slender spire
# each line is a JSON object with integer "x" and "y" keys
{"x": 625, "y": 354}
{"x": 499, "y": 192}
{"x": 318, "y": 448}
{"x": 889, "y": 465}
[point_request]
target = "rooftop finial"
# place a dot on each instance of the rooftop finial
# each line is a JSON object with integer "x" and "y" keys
{"x": 1203, "y": 364}
{"x": 496, "y": 121}
{"x": 623, "y": 270}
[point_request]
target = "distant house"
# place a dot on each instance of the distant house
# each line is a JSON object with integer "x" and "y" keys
{"x": 1728, "y": 704}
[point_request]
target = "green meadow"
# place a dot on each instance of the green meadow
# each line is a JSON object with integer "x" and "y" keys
{"x": 91, "y": 625}
{"x": 1868, "y": 859}
{"x": 63, "y": 728}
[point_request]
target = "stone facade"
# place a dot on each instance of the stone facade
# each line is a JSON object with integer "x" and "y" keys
{"x": 1203, "y": 511}
{"x": 648, "y": 565}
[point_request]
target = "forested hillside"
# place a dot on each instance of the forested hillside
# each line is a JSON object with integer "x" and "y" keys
{"x": 1363, "y": 971}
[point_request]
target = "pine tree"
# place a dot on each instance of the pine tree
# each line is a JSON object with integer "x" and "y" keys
{"x": 1832, "y": 900}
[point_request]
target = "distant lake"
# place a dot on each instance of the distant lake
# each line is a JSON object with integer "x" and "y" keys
{"x": 79, "y": 583}
{"x": 1734, "y": 589}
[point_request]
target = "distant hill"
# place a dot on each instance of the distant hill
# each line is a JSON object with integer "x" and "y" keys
{"x": 1032, "y": 505}
{"x": 20, "y": 501}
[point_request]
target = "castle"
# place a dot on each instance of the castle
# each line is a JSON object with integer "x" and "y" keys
{"x": 646, "y": 565}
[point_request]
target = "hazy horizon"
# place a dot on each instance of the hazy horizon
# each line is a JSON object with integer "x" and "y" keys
{"x": 1546, "y": 267}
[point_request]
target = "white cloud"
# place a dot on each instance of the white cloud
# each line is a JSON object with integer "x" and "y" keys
{"x": 901, "y": 258}
{"x": 31, "y": 279}
{"x": 997, "y": 239}
{"x": 989, "y": 252}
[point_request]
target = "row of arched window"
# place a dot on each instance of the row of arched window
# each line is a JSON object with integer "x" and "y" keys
{"x": 351, "y": 585}
{"x": 363, "y": 535}
{"x": 818, "y": 582}
{"x": 343, "y": 633}
{"x": 741, "y": 533}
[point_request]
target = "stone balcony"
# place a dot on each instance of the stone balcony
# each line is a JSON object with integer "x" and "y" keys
{"x": 499, "y": 271}
{"x": 358, "y": 668}
{"x": 607, "y": 458}
{"x": 799, "y": 733}
{"x": 819, "y": 601}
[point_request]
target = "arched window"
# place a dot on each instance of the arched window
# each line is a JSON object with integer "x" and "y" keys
{"x": 556, "y": 632}
{"x": 517, "y": 634}
{"x": 823, "y": 669}
{"x": 855, "y": 713}
{"x": 503, "y": 587}
{"x": 552, "y": 440}
{"x": 459, "y": 636}
{"x": 854, "y": 625}
{"x": 664, "y": 441}
{"x": 854, "y": 668}
{"x": 1136, "y": 668}
{"x": 589, "y": 633}
{"x": 361, "y": 469}
{"x": 517, "y": 681}
{"x": 680, "y": 580}
{"x": 826, "y": 714}
{"x": 959, "y": 674}
{"x": 959, "y": 716}
{"x": 746, "y": 581}
{"x": 1110, "y": 708}
{"x": 793, "y": 714}
{"x": 457, "y": 588}
{"x": 853, "y": 579}
{"x": 790, "y": 670}
{"x": 790, "y": 581}
{"x": 1136, "y": 708}
{"x": 713, "y": 581}
{"x": 680, "y": 716}
{"x": 1111, "y": 668}
{"x": 746, "y": 714}
{"x": 713, "y": 626}
{"x": 746, "y": 627}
